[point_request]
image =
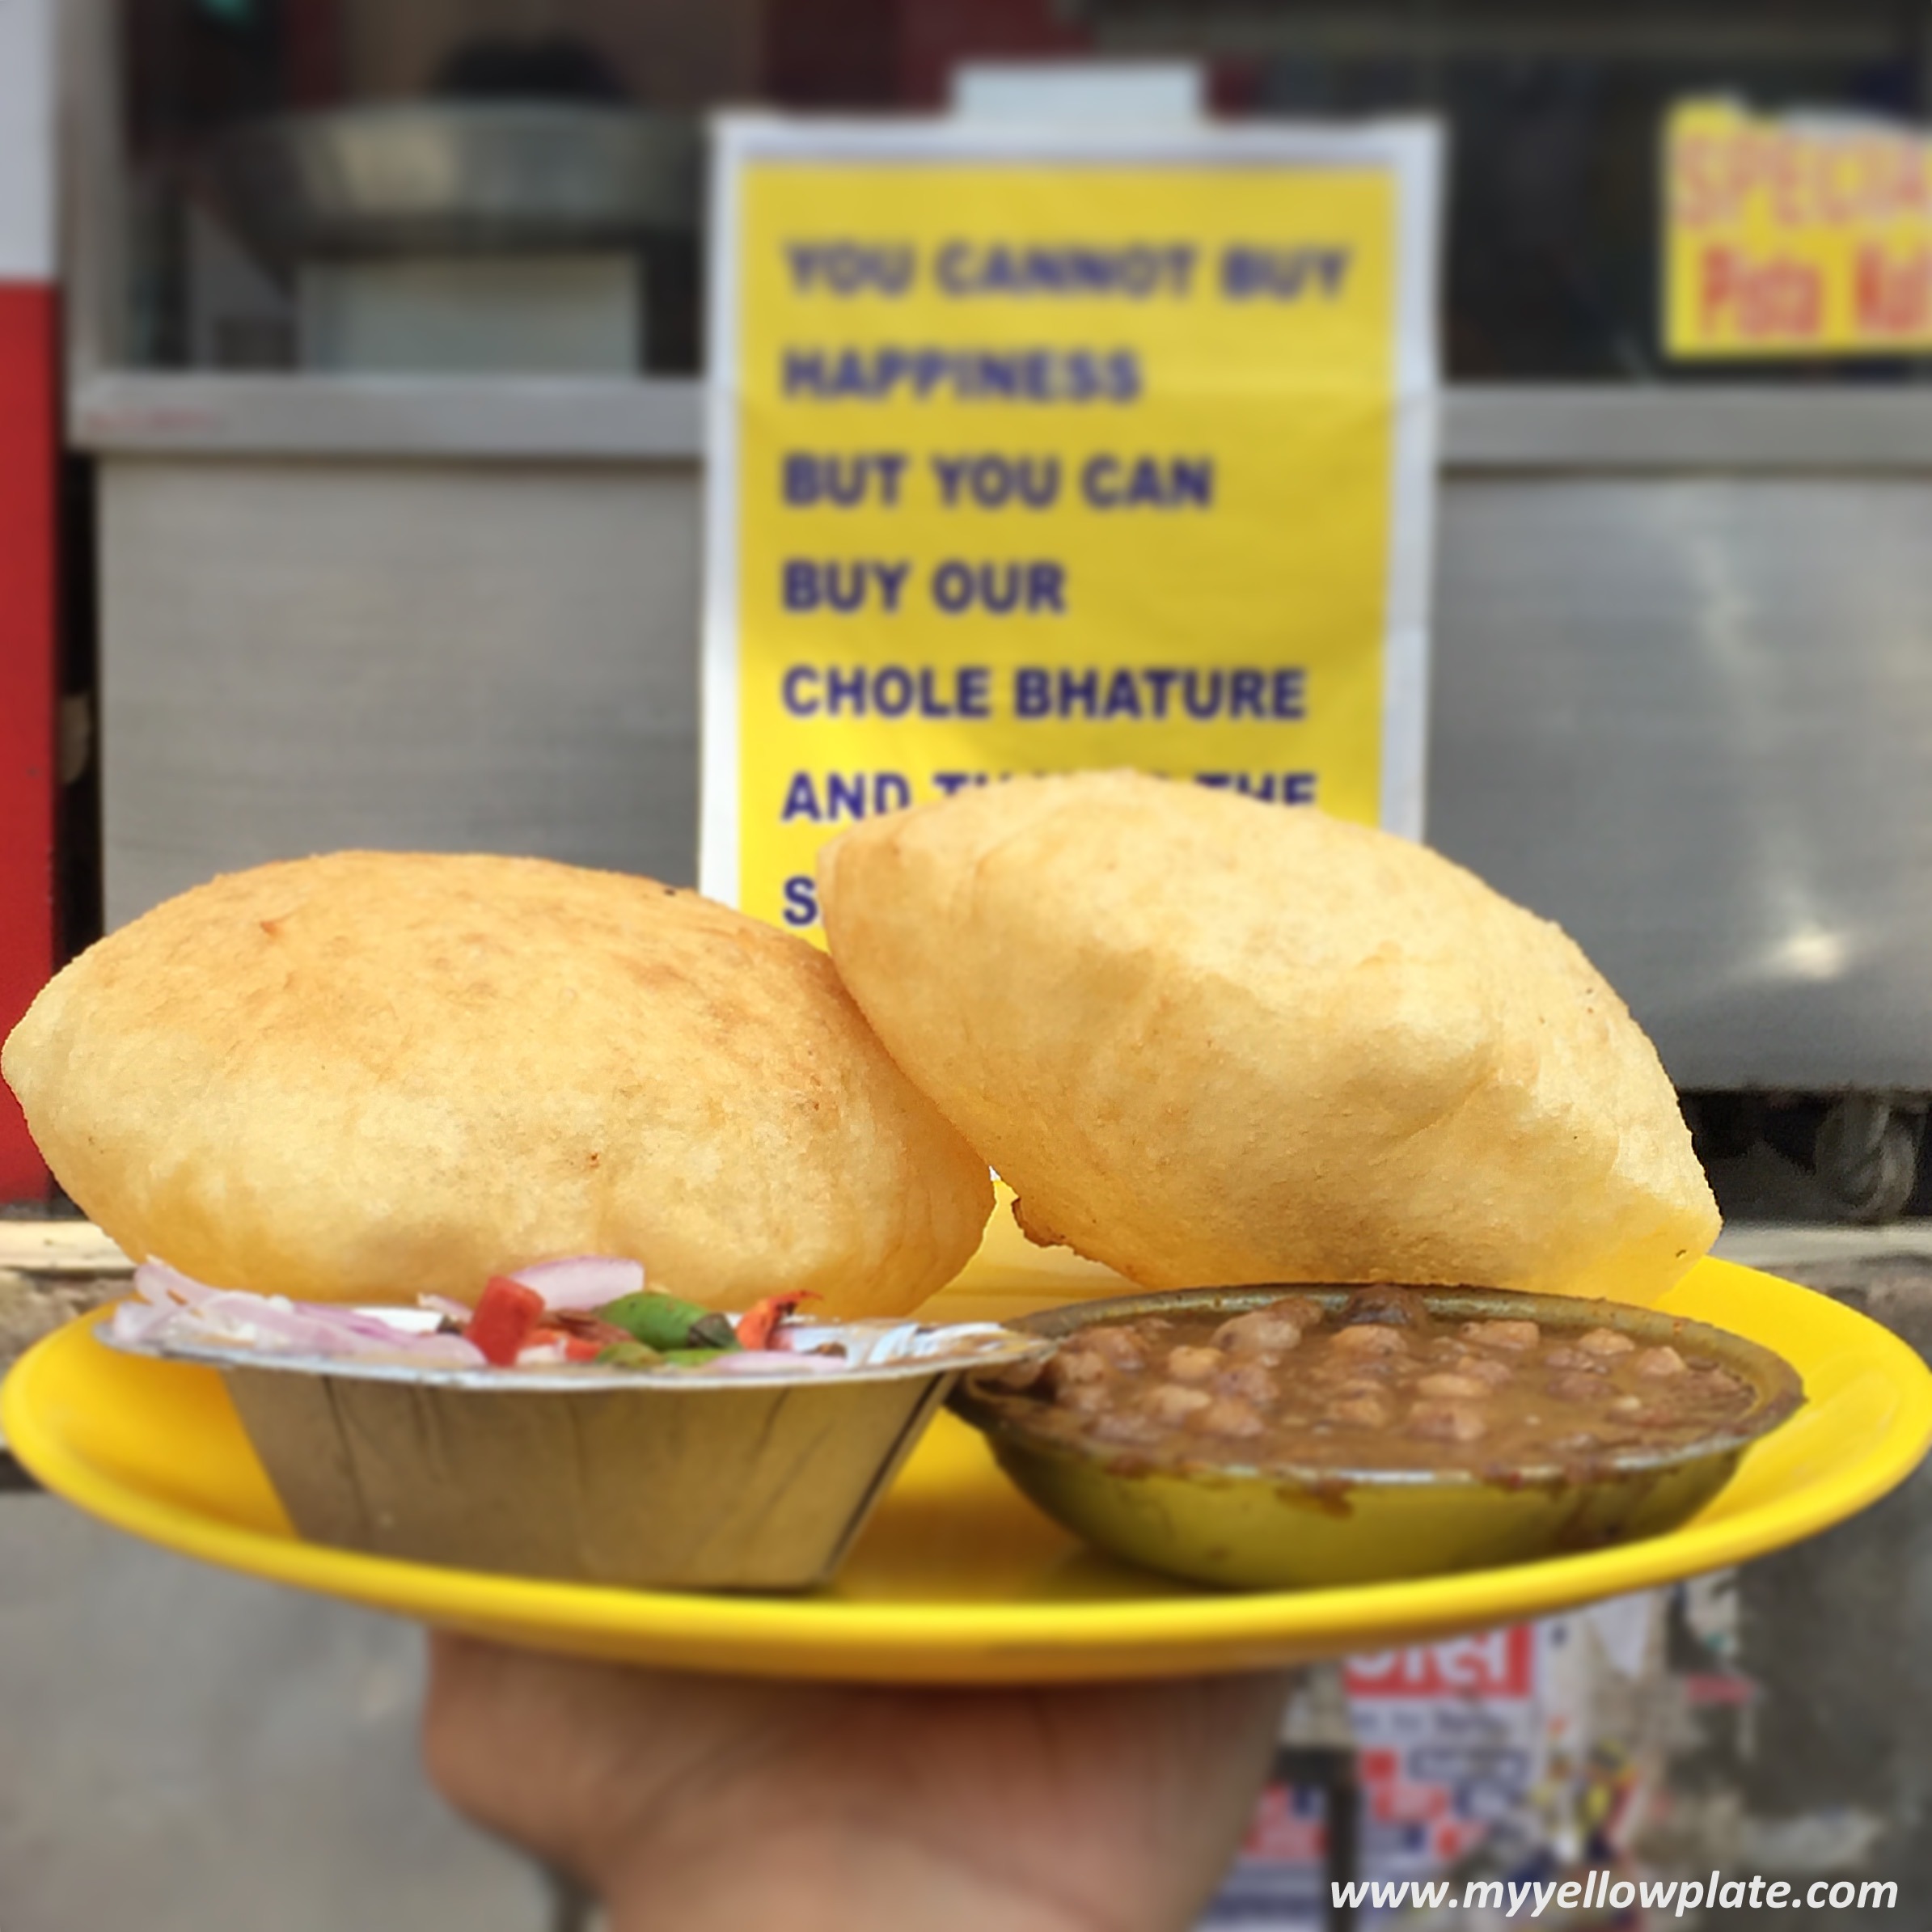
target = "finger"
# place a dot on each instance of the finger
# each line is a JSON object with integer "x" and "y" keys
{"x": 584, "y": 1764}
{"x": 526, "y": 1745}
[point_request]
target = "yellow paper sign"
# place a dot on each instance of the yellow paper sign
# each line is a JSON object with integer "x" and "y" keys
{"x": 1028, "y": 457}
{"x": 1795, "y": 236}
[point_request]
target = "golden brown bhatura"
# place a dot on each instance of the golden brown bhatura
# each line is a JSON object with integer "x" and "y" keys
{"x": 1211, "y": 1040}
{"x": 368, "y": 1075}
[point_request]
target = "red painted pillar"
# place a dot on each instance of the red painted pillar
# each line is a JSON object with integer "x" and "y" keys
{"x": 29, "y": 450}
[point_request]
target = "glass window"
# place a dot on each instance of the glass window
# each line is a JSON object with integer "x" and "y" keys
{"x": 513, "y": 184}
{"x": 446, "y": 186}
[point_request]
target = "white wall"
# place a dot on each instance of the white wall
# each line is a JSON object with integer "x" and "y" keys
{"x": 27, "y": 134}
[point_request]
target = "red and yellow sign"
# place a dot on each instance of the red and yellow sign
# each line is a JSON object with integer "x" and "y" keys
{"x": 1795, "y": 235}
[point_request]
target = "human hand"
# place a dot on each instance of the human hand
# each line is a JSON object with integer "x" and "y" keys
{"x": 692, "y": 1804}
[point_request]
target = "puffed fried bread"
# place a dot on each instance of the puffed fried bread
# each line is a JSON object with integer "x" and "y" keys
{"x": 370, "y": 1074}
{"x": 1211, "y": 1040}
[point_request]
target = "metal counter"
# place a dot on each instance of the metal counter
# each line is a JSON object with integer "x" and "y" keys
{"x": 1682, "y": 694}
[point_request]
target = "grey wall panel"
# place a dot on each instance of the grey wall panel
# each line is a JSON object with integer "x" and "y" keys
{"x": 1691, "y": 720}
{"x": 297, "y": 655}
{"x": 1690, "y": 717}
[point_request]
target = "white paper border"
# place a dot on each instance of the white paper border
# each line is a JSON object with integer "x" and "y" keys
{"x": 1409, "y": 149}
{"x": 1405, "y": 625}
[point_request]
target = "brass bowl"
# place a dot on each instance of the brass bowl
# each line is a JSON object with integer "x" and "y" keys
{"x": 1290, "y": 1527}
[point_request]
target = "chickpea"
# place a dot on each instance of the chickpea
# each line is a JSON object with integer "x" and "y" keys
{"x": 1172, "y": 1403}
{"x": 1448, "y": 1421}
{"x": 1574, "y": 1358}
{"x": 1364, "y": 1386}
{"x": 1605, "y": 1342}
{"x": 1368, "y": 1338}
{"x": 1250, "y": 1380}
{"x": 1261, "y": 1331}
{"x": 1369, "y": 1411}
{"x": 1517, "y": 1338}
{"x": 1229, "y": 1415}
{"x": 1450, "y": 1385}
{"x": 1359, "y": 1368}
{"x": 1664, "y": 1361}
{"x": 1573, "y": 1385}
{"x": 1124, "y": 1426}
{"x": 1086, "y": 1398}
{"x": 1075, "y": 1368}
{"x": 1487, "y": 1369}
{"x": 1116, "y": 1347}
{"x": 1186, "y": 1364}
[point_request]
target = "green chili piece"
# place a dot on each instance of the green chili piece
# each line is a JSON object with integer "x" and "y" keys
{"x": 664, "y": 1323}
{"x": 626, "y": 1354}
{"x": 714, "y": 1331}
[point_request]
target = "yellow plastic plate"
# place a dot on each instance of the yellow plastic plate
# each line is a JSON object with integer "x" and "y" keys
{"x": 958, "y": 1579}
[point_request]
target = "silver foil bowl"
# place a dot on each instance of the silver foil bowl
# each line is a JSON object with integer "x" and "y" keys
{"x": 653, "y": 1479}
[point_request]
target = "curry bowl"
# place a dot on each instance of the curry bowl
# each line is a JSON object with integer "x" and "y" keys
{"x": 1235, "y": 1517}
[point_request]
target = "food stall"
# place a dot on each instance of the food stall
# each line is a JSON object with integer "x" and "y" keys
{"x": 1675, "y": 699}
{"x": 382, "y": 382}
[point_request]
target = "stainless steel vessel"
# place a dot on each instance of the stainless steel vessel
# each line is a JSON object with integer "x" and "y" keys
{"x": 455, "y": 177}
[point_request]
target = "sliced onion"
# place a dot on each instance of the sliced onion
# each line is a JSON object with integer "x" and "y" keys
{"x": 868, "y": 1344}
{"x": 441, "y": 1351}
{"x": 773, "y": 1361}
{"x": 584, "y": 1281}
{"x": 317, "y": 1327}
{"x": 136, "y": 1321}
{"x": 156, "y": 1282}
{"x": 175, "y": 1306}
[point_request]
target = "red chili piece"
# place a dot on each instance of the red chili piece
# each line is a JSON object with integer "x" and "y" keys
{"x": 577, "y": 1348}
{"x": 758, "y": 1324}
{"x": 507, "y": 1313}
{"x": 580, "y": 1325}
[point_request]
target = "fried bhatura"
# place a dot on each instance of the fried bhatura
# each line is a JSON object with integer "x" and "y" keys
{"x": 1211, "y": 1040}
{"x": 370, "y": 1074}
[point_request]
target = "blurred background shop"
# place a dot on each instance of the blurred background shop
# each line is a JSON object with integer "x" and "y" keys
{"x": 382, "y": 344}
{"x": 379, "y": 457}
